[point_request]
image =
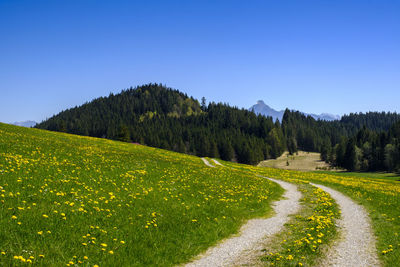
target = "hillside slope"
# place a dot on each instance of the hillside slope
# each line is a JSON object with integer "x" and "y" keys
{"x": 161, "y": 117}
{"x": 67, "y": 199}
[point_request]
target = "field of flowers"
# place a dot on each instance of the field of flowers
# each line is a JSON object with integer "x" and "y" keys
{"x": 71, "y": 200}
{"x": 381, "y": 197}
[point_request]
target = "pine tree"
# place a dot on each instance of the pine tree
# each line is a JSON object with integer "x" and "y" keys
{"x": 351, "y": 156}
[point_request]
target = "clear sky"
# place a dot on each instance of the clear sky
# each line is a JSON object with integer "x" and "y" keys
{"x": 314, "y": 56}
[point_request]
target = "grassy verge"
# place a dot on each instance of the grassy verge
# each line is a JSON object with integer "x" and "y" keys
{"x": 308, "y": 233}
{"x": 71, "y": 200}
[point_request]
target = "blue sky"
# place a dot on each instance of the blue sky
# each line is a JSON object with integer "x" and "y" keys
{"x": 314, "y": 56}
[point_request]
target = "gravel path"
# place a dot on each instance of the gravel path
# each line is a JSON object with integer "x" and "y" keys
{"x": 217, "y": 162}
{"x": 207, "y": 163}
{"x": 253, "y": 233}
{"x": 356, "y": 247}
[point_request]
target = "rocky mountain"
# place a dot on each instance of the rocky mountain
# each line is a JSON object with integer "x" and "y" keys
{"x": 28, "y": 124}
{"x": 264, "y": 109}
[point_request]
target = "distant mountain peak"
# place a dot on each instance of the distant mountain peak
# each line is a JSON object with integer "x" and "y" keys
{"x": 28, "y": 124}
{"x": 264, "y": 109}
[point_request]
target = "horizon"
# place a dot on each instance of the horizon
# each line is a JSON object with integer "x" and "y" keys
{"x": 323, "y": 57}
{"x": 208, "y": 101}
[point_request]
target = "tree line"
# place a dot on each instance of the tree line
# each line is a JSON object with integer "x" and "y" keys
{"x": 357, "y": 142}
{"x": 162, "y": 117}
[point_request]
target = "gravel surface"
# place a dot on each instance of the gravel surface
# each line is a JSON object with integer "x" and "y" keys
{"x": 253, "y": 233}
{"x": 217, "y": 162}
{"x": 207, "y": 163}
{"x": 356, "y": 247}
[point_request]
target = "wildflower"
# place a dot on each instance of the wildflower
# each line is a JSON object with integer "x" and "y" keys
{"x": 111, "y": 252}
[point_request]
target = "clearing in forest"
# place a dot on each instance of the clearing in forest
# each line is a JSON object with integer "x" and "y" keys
{"x": 300, "y": 161}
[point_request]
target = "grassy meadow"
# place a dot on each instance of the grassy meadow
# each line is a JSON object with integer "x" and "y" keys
{"x": 72, "y": 200}
{"x": 300, "y": 161}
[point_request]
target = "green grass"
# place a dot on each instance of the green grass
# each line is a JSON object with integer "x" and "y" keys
{"x": 68, "y": 200}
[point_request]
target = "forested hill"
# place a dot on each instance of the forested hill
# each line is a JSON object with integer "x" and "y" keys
{"x": 162, "y": 117}
{"x": 103, "y": 116}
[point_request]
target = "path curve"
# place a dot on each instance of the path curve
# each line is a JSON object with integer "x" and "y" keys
{"x": 356, "y": 247}
{"x": 217, "y": 162}
{"x": 254, "y": 232}
{"x": 207, "y": 163}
